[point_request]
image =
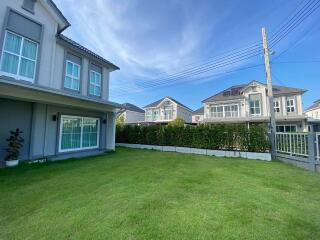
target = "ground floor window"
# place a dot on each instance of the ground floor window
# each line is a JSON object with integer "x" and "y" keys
{"x": 286, "y": 128}
{"x": 78, "y": 133}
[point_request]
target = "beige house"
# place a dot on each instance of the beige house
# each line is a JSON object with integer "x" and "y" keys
{"x": 131, "y": 114}
{"x": 313, "y": 111}
{"x": 248, "y": 103}
{"x": 165, "y": 110}
{"x": 197, "y": 115}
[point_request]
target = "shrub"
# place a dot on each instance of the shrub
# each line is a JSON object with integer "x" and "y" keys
{"x": 213, "y": 136}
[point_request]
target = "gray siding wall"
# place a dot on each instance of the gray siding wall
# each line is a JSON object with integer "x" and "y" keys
{"x": 15, "y": 114}
{"x": 46, "y": 134}
{"x": 50, "y": 68}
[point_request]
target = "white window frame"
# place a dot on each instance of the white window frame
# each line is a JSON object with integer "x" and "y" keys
{"x": 292, "y": 105}
{"x": 17, "y": 76}
{"x": 255, "y": 107}
{"x": 287, "y": 125}
{"x": 94, "y": 84}
{"x": 157, "y": 115}
{"x": 81, "y": 148}
{"x": 276, "y": 106}
{"x": 168, "y": 109}
{"x": 217, "y": 114}
{"x": 71, "y": 76}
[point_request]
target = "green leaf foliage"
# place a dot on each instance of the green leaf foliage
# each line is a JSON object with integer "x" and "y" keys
{"x": 211, "y": 136}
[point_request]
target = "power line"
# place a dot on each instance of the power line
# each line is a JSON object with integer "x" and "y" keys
{"x": 302, "y": 18}
{"x": 217, "y": 74}
{"x": 234, "y": 56}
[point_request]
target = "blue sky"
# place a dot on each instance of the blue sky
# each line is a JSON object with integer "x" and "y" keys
{"x": 149, "y": 39}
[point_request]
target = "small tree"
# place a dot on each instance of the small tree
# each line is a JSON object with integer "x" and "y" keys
{"x": 14, "y": 146}
{"x": 120, "y": 121}
{"x": 178, "y": 122}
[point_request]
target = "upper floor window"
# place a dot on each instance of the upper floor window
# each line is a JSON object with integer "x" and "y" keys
{"x": 19, "y": 57}
{"x": 276, "y": 106}
{"x": 168, "y": 112}
{"x": 255, "y": 107}
{"x": 217, "y": 111}
{"x": 148, "y": 115}
{"x": 255, "y": 104}
{"x": 72, "y": 77}
{"x": 290, "y": 105}
{"x": 29, "y": 5}
{"x": 155, "y": 115}
{"x": 95, "y": 83}
{"x": 231, "y": 111}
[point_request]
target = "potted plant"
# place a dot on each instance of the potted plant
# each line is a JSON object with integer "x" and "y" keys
{"x": 15, "y": 144}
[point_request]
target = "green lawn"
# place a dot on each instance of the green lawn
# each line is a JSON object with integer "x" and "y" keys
{"x": 143, "y": 194}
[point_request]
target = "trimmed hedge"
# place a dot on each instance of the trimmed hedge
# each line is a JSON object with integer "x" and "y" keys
{"x": 213, "y": 136}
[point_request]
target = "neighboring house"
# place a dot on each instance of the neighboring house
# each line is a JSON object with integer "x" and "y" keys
{"x": 167, "y": 109}
{"x": 52, "y": 88}
{"x": 197, "y": 115}
{"x": 248, "y": 103}
{"x": 131, "y": 114}
{"x": 313, "y": 115}
{"x": 313, "y": 111}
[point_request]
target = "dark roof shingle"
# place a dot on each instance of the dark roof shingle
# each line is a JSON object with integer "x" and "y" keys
{"x": 199, "y": 111}
{"x": 132, "y": 107}
{"x": 85, "y": 50}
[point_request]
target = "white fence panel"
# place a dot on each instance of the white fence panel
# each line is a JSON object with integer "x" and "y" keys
{"x": 295, "y": 144}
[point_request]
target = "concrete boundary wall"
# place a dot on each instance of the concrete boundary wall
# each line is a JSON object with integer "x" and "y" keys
{"x": 217, "y": 153}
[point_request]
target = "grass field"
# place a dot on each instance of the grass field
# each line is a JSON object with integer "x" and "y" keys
{"x": 143, "y": 194}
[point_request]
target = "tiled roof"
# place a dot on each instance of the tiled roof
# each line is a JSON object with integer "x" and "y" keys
{"x": 316, "y": 104}
{"x": 277, "y": 90}
{"x": 133, "y": 108}
{"x": 156, "y": 103}
{"x": 199, "y": 111}
{"x": 85, "y": 50}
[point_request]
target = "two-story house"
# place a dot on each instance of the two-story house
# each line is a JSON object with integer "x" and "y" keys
{"x": 248, "y": 103}
{"x": 52, "y": 88}
{"x": 313, "y": 111}
{"x": 131, "y": 114}
{"x": 166, "y": 110}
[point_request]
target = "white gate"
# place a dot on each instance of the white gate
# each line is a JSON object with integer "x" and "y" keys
{"x": 295, "y": 144}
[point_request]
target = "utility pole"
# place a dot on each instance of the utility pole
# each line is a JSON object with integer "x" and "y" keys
{"x": 270, "y": 93}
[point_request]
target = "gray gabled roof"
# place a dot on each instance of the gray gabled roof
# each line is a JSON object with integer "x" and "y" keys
{"x": 277, "y": 90}
{"x": 156, "y": 103}
{"x": 199, "y": 111}
{"x": 71, "y": 43}
{"x": 316, "y": 104}
{"x": 133, "y": 108}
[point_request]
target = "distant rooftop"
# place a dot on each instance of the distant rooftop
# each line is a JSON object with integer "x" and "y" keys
{"x": 156, "y": 103}
{"x": 132, "y": 107}
{"x": 234, "y": 92}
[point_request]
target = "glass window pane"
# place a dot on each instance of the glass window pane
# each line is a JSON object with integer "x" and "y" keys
{"x": 75, "y": 84}
{"x": 12, "y": 43}
{"x": 71, "y": 133}
{"x": 27, "y": 68}
{"x": 9, "y": 63}
{"x": 98, "y": 79}
{"x": 92, "y": 79}
{"x": 76, "y": 71}
{"x": 69, "y": 68}
{"x": 91, "y": 89}
{"x": 97, "y": 91}
{"x": 67, "y": 82}
{"x": 29, "y": 49}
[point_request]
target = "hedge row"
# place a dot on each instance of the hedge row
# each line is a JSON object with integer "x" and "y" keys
{"x": 217, "y": 136}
